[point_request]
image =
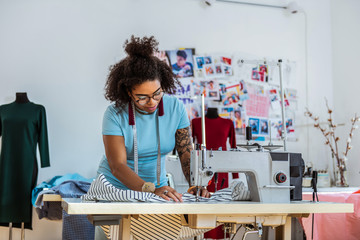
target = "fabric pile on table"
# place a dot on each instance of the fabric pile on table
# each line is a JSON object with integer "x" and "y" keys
{"x": 67, "y": 186}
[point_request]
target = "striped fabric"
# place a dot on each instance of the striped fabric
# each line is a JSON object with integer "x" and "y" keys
{"x": 106, "y": 229}
{"x": 102, "y": 190}
{"x": 157, "y": 226}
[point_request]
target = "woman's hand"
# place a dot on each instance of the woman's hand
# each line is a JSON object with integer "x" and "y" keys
{"x": 168, "y": 193}
{"x": 203, "y": 191}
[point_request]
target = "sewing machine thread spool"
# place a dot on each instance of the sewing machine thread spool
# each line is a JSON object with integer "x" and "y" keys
{"x": 248, "y": 133}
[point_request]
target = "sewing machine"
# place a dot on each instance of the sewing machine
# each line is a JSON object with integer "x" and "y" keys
{"x": 267, "y": 173}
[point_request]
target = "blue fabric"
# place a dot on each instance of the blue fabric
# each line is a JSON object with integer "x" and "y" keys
{"x": 55, "y": 181}
{"x": 116, "y": 122}
{"x": 66, "y": 189}
{"x": 71, "y": 189}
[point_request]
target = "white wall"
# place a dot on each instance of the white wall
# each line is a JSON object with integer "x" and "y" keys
{"x": 59, "y": 53}
{"x": 346, "y": 51}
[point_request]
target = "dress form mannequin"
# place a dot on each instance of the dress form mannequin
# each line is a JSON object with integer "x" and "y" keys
{"x": 21, "y": 97}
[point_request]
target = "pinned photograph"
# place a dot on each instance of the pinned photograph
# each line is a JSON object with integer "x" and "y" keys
{"x": 208, "y": 60}
{"x": 264, "y": 73}
{"x": 182, "y": 62}
{"x": 255, "y": 74}
{"x": 162, "y": 55}
{"x": 222, "y": 88}
{"x": 212, "y": 89}
{"x": 226, "y": 60}
{"x": 264, "y": 127}
{"x": 228, "y": 113}
{"x": 230, "y": 97}
{"x": 209, "y": 70}
{"x": 243, "y": 92}
{"x": 184, "y": 90}
{"x": 219, "y": 70}
{"x": 227, "y": 70}
{"x": 260, "y": 73}
{"x": 231, "y": 94}
{"x": 200, "y": 61}
{"x": 254, "y": 124}
{"x": 199, "y": 73}
{"x": 239, "y": 120}
{"x": 198, "y": 87}
{"x": 274, "y": 99}
{"x": 194, "y": 111}
{"x": 276, "y": 129}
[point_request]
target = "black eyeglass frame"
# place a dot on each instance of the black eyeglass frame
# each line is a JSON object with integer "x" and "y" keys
{"x": 147, "y": 99}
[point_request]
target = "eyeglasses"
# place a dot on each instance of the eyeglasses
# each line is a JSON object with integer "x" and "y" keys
{"x": 142, "y": 100}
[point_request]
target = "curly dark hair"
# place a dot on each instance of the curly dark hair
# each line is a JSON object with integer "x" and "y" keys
{"x": 138, "y": 67}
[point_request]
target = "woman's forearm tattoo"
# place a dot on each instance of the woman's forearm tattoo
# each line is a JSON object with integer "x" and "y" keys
{"x": 184, "y": 147}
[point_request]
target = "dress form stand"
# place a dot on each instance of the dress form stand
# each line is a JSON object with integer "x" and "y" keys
{"x": 21, "y": 97}
{"x": 212, "y": 113}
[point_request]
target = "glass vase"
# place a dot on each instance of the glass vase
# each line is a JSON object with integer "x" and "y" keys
{"x": 341, "y": 178}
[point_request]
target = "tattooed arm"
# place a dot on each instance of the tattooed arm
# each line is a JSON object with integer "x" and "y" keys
{"x": 183, "y": 146}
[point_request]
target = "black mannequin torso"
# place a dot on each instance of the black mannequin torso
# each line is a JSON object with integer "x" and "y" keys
{"x": 21, "y": 97}
{"x": 212, "y": 113}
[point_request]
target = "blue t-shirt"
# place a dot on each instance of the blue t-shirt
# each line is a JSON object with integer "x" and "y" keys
{"x": 116, "y": 122}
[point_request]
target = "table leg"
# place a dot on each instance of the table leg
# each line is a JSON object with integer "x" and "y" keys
{"x": 124, "y": 228}
{"x": 284, "y": 232}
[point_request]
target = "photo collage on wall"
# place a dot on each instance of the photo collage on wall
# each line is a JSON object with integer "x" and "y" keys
{"x": 240, "y": 93}
{"x": 213, "y": 67}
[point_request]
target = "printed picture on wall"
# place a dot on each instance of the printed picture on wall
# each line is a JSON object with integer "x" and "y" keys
{"x": 225, "y": 60}
{"x": 184, "y": 90}
{"x": 219, "y": 70}
{"x": 222, "y": 88}
{"x": 228, "y": 113}
{"x": 162, "y": 55}
{"x": 274, "y": 99}
{"x": 198, "y": 87}
{"x": 254, "y": 124}
{"x": 276, "y": 129}
{"x": 209, "y": 70}
{"x": 200, "y": 61}
{"x": 227, "y": 70}
{"x": 230, "y": 97}
{"x": 264, "y": 127}
{"x": 212, "y": 90}
{"x": 208, "y": 60}
{"x": 182, "y": 62}
{"x": 243, "y": 92}
{"x": 239, "y": 120}
{"x": 260, "y": 73}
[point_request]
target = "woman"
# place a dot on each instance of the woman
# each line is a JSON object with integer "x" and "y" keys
{"x": 144, "y": 123}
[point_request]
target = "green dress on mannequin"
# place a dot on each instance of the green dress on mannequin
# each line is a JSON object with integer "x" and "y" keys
{"x": 22, "y": 127}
